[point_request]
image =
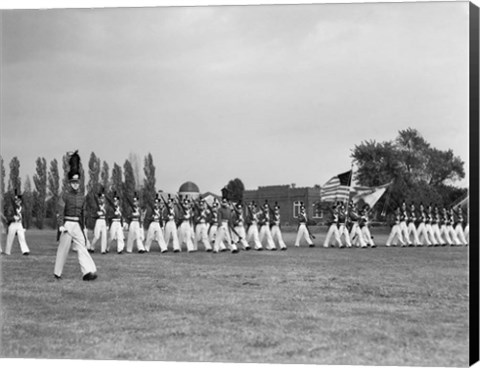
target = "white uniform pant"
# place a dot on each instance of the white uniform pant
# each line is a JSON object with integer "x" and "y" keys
{"x": 444, "y": 233}
{"x": 303, "y": 233}
{"x": 395, "y": 233}
{"x": 332, "y": 231}
{"x": 404, "y": 231}
{"x": 116, "y": 233}
{"x": 460, "y": 234}
{"x": 223, "y": 234}
{"x": 467, "y": 232}
{"x": 252, "y": 235}
{"x": 185, "y": 235}
{"x": 201, "y": 235}
{"x": 343, "y": 231}
{"x": 73, "y": 234}
{"x": 16, "y": 228}
{"x": 155, "y": 233}
{"x": 277, "y": 236}
{"x": 171, "y": 233}
{"x": 135, "y": 233}
{"x": 453, "y": 235}
{"x": 423, "y": 234}
{"x": 356, "y": 236}
{"x": 437, "y": 235}
{"x": 367, "y": 236}
{"x": 241, "y": 237}
{"x": 413, "y": 230}
{"x": 266, "y": 233}
{"x": 212, "y": 233}
{"x": 100, "y": 233}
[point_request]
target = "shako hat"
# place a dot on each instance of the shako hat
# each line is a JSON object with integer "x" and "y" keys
{"x": 74, "y": 163}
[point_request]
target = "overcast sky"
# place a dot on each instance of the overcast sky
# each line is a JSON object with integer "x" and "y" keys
{"x": 268, "y": 94}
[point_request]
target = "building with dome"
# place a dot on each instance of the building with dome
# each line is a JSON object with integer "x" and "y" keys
{"x": 188, "y": 190}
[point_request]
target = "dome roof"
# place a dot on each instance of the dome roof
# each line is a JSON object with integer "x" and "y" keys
{"x": 189, "y": 187}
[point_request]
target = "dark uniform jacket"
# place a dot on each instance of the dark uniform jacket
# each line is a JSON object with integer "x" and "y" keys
{"x": 72, "y": 205}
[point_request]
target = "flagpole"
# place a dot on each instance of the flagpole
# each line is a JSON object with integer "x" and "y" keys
{"x": 349, "y": 186}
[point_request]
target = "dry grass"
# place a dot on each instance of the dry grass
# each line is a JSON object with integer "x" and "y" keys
{"x": 386, "y": 306}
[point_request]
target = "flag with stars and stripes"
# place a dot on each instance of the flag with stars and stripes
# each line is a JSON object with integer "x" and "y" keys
{"x": 337, "y": 188}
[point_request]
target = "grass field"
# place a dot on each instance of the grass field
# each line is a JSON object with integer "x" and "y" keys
{"x": 383, "y": 306}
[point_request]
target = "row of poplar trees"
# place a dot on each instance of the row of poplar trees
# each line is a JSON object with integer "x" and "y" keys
{"x": 41, "y": 200}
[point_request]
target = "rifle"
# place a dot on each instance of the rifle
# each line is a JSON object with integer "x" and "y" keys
{"x": 306, "y": 226}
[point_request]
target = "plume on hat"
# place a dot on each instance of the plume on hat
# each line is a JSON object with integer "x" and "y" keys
{"x": 74, "y": 163}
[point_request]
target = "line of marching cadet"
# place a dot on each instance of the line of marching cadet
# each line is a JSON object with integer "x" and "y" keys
{"x": 218, "y": 227}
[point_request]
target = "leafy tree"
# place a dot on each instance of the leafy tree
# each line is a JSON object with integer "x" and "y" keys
{"x": 28, "y": 203}
{"x": 40, "y": 181}
{"x": 93, "y": 187}
{"x": 104, "y": 176}
{"x": 443, "y": 166}
{"x": 234, "y": 190}
{"x": 128, "y": 185}
{"x": 14, "y": 182}
{"x": 149, "y": 190}
{"x": 65, "y": 168}
{"x": 137, "y": 172}
{"x": 53, "y": 191}
{"x": 117, "y": 181}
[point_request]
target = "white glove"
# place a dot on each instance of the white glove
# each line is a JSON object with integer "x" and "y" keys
{"x": 62, "y": 229}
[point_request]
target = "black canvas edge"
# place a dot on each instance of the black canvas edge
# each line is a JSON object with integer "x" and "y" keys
{"x": 474, "y": 274}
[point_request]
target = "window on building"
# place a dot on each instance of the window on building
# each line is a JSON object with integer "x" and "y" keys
{"x": 317, "y": 212}
{"x": 296, "y": 208}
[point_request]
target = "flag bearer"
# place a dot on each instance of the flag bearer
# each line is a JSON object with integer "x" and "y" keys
{"x": 356, "y": 235}
{"x": 71, "y": 221}
{"x": 16, "y": 226}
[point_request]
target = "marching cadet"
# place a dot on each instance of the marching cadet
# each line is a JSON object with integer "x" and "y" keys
{"x": 364, "y": 222}
{"x": 403, "y": 224}
{"x": 213, "y": 221}
{"x": 71, "y": 221}
{"x": 185, "y": 232}
{"x": 450, "y": 229}
{"x": 135, "y": 231}
{"x": 412, "y": 218}
{"x": 436, "y": 222}
{"x": 116, "y": 226}
{"x": 100, "y": 229}
{"x": 276, "y": 232}
{"x": 252, "y": 222}
{"x": 264, "y": 222}
{"x": 16, "y": 226}
{"x": 422, "y": 229}
{"x": 444, "y": 222}
{"x": 333, "y": 228}
{"x": 171, "y": 226}
{"x": 155, "y": 232}
{"x": 303, "y": 231}
{"x": 239, "y": 236}
{"x": 356, "y": 236}
{"x": 201, "y": 227}
{"x": 342, "y": 223}
{"x": 459, "y": 221}
{"x": 223, "y": 231}
{"x": 396, "y": 232}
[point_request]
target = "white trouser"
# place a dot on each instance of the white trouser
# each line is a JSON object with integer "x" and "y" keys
{"x": 99, "y": 233}
{"x": 266, "y": 233}
{"x": 343, "y": 231}
{"x": 332, "y": 231}
{"x": 395, "y": 234}
{"x": 413, "y": 230}
{"x": 466, "y": 231}
{"x": 277, "y": 236}
{"x": 444, "y": 234}
{"x": 116, "y": 233}
{"x": 201, "y": 235}
{"x": 241, "y": 237}
{"x": 73, "y": 234}
{"x": 367, "y": 236}
{"x": 223, "y": 234}
{"x": 431, "y": 234}
{"x": 436, "y": 233}
{"x": 16, "y": 228}
{"x": 453, "y": 235}
{"x": 303, "y": 233}
{"x": 155, "y": 233}
{"x": 356, "y": 236}
{"x": 460, "y": 234}
{"x": 185, "y": 235}
{"x": 404, "y": 231}
{"x": 135, "y": 233}
{"x": 423, "y": 234}
{"x": 171, "y": 233}
{"x": 253, "y": 235}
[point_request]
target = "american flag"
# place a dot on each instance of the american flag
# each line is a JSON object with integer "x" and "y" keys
{"x": 337, "y": 188}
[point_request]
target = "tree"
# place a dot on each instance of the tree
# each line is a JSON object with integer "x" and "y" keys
{"x": 233, "y": 191}
{"x": 149, "y": 190}
{"x": 412, "y": 152}
{"x": 443, "y": 166}
{"x": 65, "y": 167}
{"x": 53, "y": 191}
{"x": 40, "y": 181}
{"x": 93, "y": 187}
{"x": 128, "y": 185}
{"x": 117, "y": 181}
{"x": 14, "y": 181}
{"x": 137, "y": 172}
{"x": 2, "y": 186}
{"x": 28, "y": 203}
{"x": 104, "y": 176}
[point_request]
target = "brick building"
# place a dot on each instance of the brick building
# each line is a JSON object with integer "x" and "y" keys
{"x": 288, "y": 198}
